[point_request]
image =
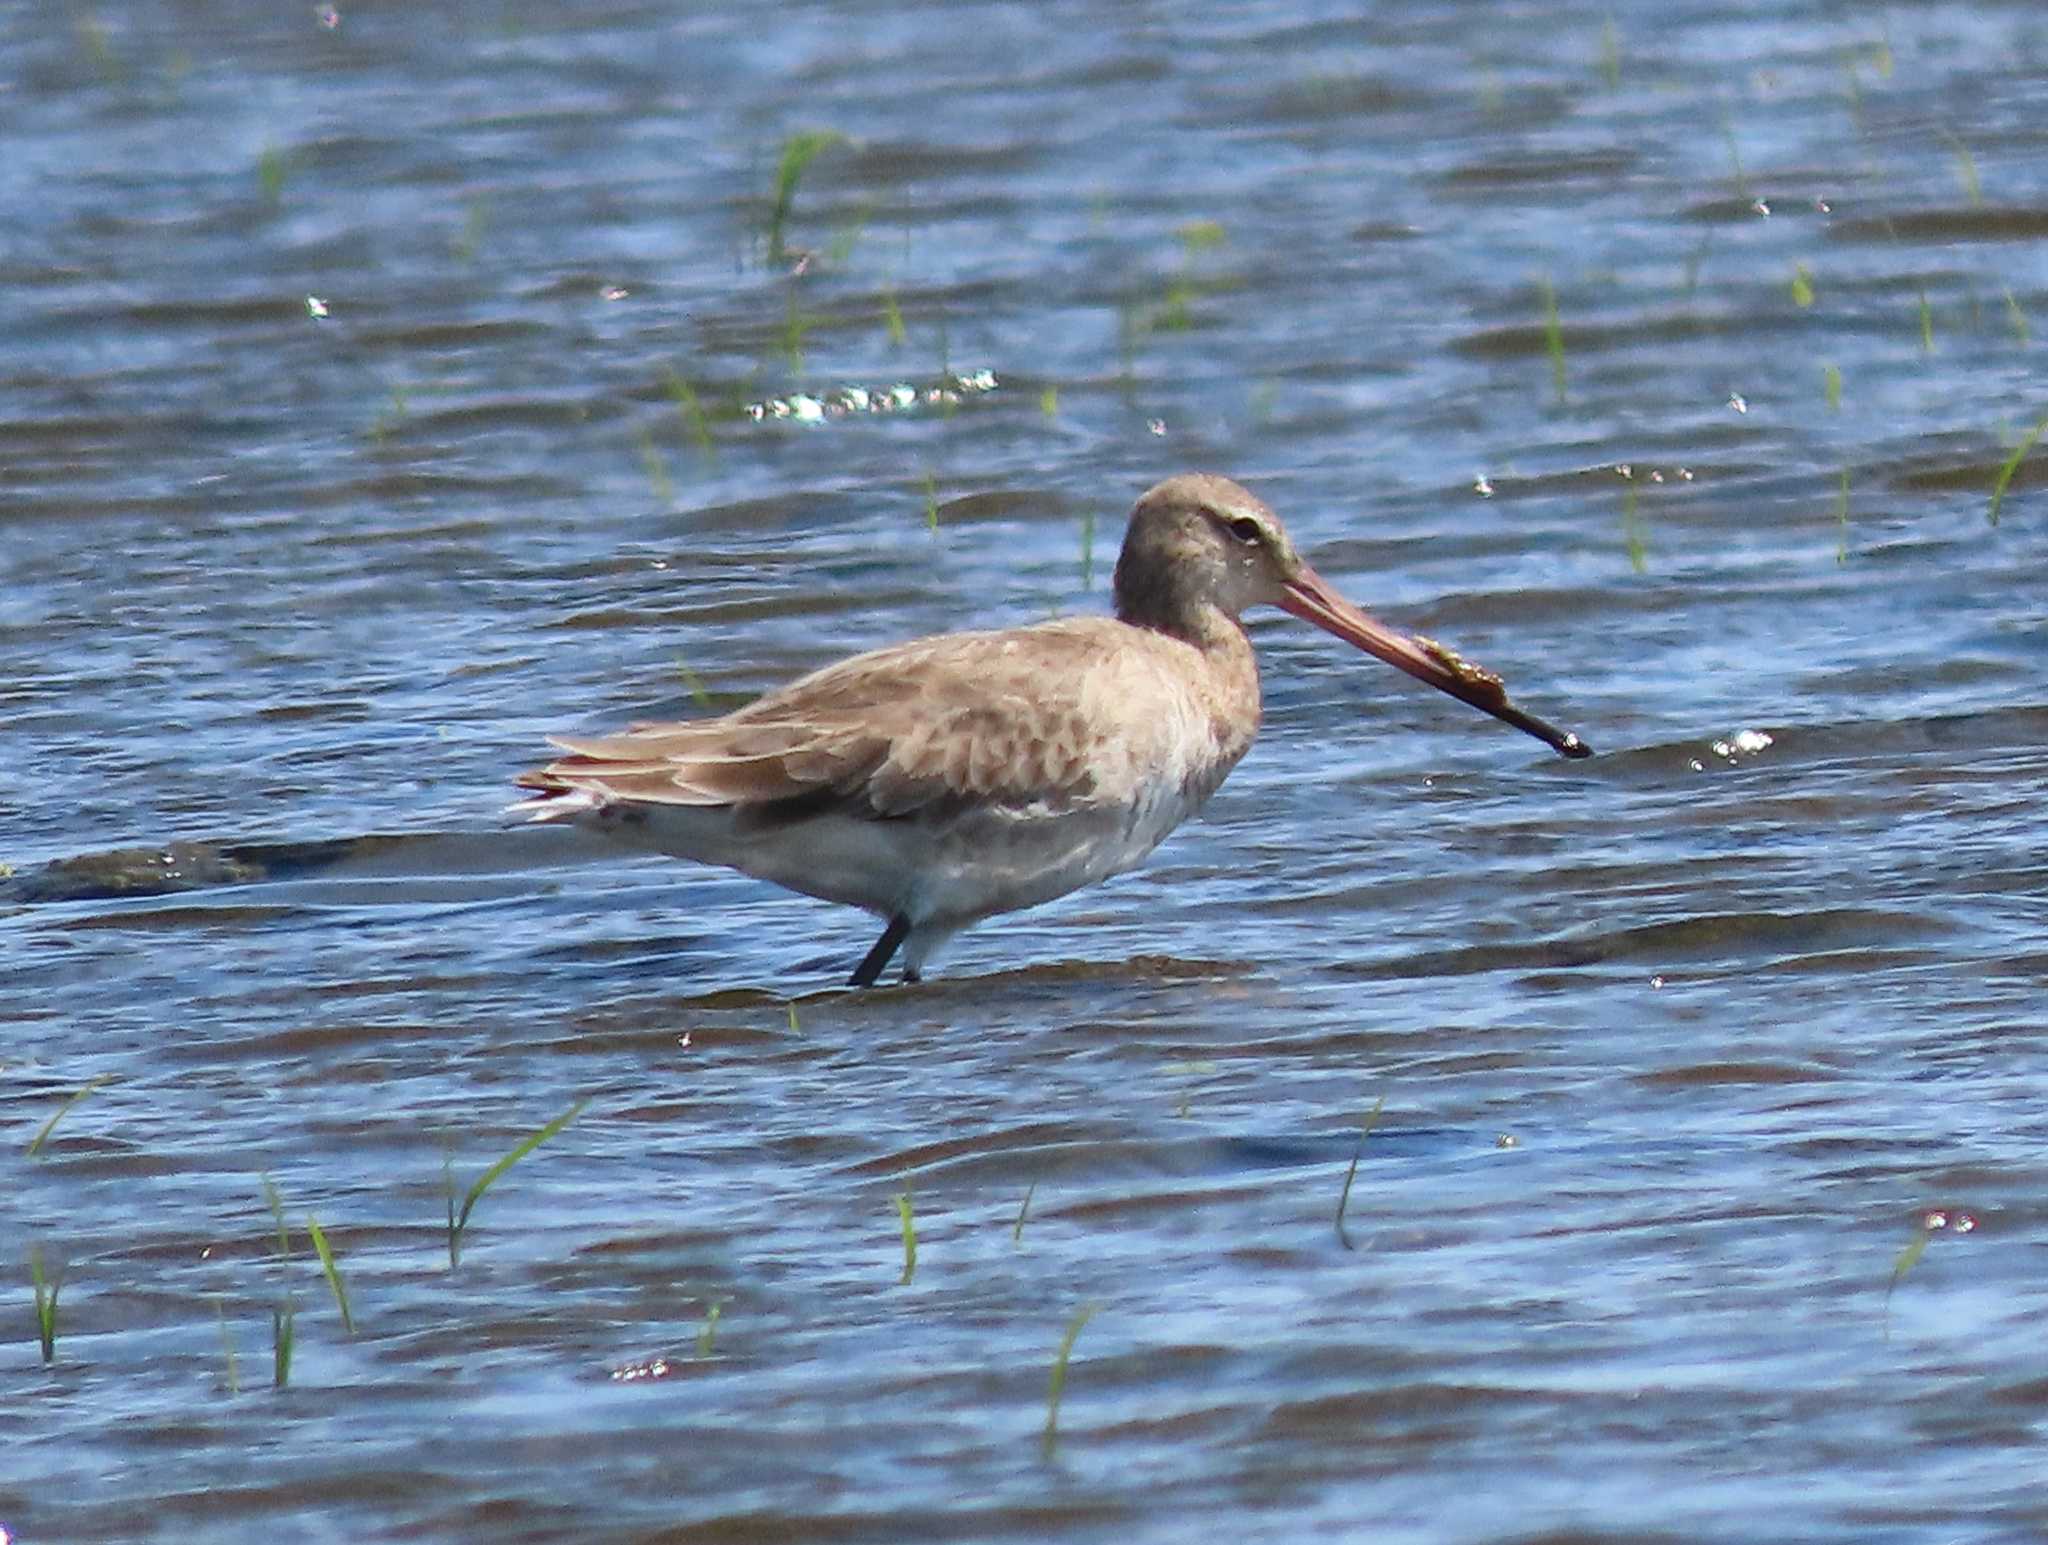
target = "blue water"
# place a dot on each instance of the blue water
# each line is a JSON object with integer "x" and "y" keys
{"x": 1675, "y": 1054}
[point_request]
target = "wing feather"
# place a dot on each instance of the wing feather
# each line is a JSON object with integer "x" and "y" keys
{"x": 1026, "y": 716}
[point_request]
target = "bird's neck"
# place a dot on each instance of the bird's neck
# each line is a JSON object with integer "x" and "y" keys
{"x": 1225, "y": 667}
{"x": 1202, "y": 623}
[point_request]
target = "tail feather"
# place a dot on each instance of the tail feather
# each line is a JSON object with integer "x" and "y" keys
{"x": 556, "y": 800}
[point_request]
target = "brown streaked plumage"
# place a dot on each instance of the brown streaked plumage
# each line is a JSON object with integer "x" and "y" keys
{"x": 942, "y": 781}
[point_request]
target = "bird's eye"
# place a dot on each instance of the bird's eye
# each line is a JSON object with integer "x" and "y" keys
{"x": 1246, "y": 530}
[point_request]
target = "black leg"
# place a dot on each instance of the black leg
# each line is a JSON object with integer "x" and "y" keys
{"x": 870, "y": 968}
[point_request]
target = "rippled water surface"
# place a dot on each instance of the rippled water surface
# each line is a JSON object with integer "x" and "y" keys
{"x": 383, "y": 390}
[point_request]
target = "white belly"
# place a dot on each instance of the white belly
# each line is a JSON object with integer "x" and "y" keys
{"x": 943, "y": 871}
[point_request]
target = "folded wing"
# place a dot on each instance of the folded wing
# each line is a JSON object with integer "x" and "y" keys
{"x": 1002, "y": 717}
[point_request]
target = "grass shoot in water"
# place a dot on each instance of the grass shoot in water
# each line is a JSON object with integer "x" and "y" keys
{"x": 227, "y": 1347}
{"x": 1926, "y": 323}
{"x": 796, "y": 323}
{"x": 331, "y": 1271}
{"x": 1056, "y": 1385}
{"x": 1196, "y": 238}
{"x": 1851, "y": 68}
{"x": 1966, "y": 169}
{"x": 42, "y": 1133}
{"x": 847, "y": 237}
{"x": 98, "y": 44}
{"x": 656, "y": 467}
{"x": 276, "y": 1205}
{"x": 2017, "y": 317}
{"x": 695, "y": 421}
{"x": 272, "y": 167}
{"x": 281, "y": 1337}
{"x": 2012, "y": 465}
{"x": 46, "y": 1288}
{"x": 1344, "y": 1197}
{"x": 1735, "y": 159}
{"x": 459, "y": 1220}
{"x": 470, "y": 240}
{"x": 1130, "y": 328}
{"x": 1931, "y": 1223}
{"x": 908, "y": 1222}
{"x": 708, "y": 1331}
{"x": 1842, "y": 519}
{"x": 798, "y": 152}
{"x": 931, "y": 502}
{"x": 1831, "y": 386}
{"x": 699, "y": 693}
{"x": 388, "y": 419}
{"x": 1632, "y": 527}
{"x": 1610, "y": 53}
{"x": 1017, "y": 1229}
{"x": 892, "y": 319}
{"x": 1553, "y": 335}
{"x": 1906, "y": 1260}
{"x": 1802, "y": 285}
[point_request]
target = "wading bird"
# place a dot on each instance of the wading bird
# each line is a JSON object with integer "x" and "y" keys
{"x": 943, "y": 781}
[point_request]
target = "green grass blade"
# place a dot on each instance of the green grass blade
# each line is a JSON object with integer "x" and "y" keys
{"x": 2017, "y": 317}
{"x": 227, "y": 1346}
{"x": 1632, "y": 529}
{"x": 46, "y": 1288}
{"x": 699, "y": 693}
{"x": 1553, "y": 336}
{"x": 458, "y": 1221}
{"x": 1907, "y": 1259}
{"x": 1056, "y": 1385}
{"x": 1017, "y": 1229}
{"x": 1966, "y": 168}
{"x": 475, "y": 220}
{"x": 709, "y": 1330}
{"x": 796, "y": 322}
{"x": 332, "y": 1272}
{"x": 2012, "y": 465}
{"x": 909, "y": 1223}
{"x": 1344, "y": 1197}
{"x": 35, "y": 1143}
{"x": 798, "y": 152}
{"x": 281, "y": 1336}
{"x": 1735, "y": 159}
{"x": 655, "y": 465}
{"x": 448, "y": 1191}
{"x": 1802, "y": 286}
{"x": 1831, "y": 386}
{"x": 695, "y": 420}
{"x": 276, "y": 1204}
{"x": 272, "y": 167}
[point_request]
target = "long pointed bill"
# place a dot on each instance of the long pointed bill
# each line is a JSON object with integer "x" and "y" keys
{"x": 1308, "y": 597}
